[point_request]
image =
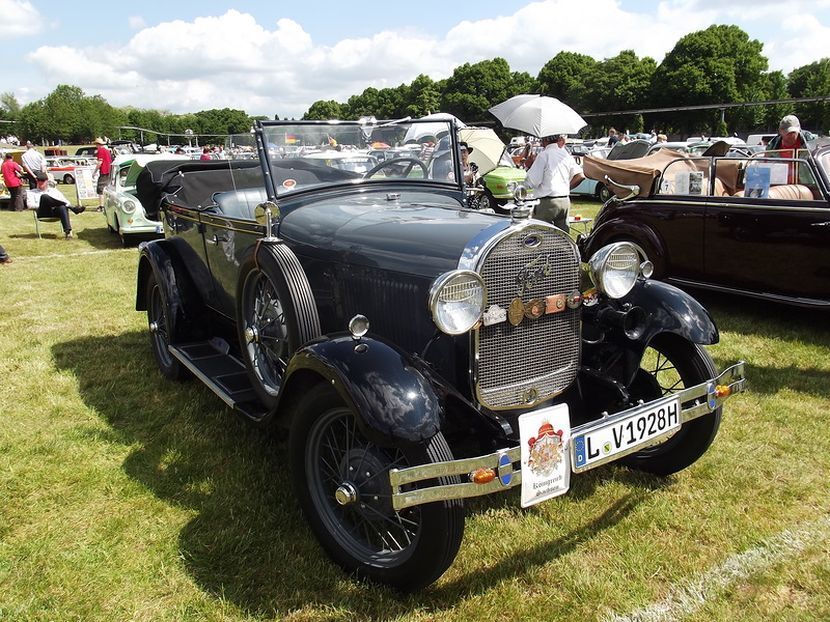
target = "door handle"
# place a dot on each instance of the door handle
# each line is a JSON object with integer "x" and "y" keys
{"x": 216, "y": 240}
{"x": 821, "y": 224}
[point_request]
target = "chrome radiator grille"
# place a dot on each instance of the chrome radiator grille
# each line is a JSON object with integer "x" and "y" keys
{"x": 519, "y": 366}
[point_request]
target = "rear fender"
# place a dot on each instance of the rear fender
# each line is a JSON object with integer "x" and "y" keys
{"x": 393, "y": 400}
{"x": 159, "y": 257}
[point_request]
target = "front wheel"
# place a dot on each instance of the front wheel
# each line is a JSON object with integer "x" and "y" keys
{"x": 669, "y": 365}
{"x": 342, "y": 482}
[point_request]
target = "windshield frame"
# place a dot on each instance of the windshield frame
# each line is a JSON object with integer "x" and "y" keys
{"x": 265, "y": 131}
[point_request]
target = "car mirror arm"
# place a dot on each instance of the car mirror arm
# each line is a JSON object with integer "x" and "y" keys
{"x": 633, "y": 189}
{"x": 265, "y": 213}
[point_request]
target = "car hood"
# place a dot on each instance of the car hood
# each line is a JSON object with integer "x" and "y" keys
{"x": 419, "y": 233}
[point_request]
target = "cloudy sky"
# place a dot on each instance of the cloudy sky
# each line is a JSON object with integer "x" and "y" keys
{"x": 279, "y": 57}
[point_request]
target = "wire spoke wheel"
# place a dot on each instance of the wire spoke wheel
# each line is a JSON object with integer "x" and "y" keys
{"x": 669, "y": 365}
{"x": 348, "y": 481}
{"x": 342, "y": 481}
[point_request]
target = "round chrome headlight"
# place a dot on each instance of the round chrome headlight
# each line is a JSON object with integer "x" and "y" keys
{"x": 457, "y": 300}
{"x": 128, "y": 206}
{"x": 615, "y": 268}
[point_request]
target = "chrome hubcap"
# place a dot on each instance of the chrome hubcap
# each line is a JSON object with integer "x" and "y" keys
{"x": 154, "y": 327}
{"x": 346, "y": 493}
{"x": 251, "y": 335}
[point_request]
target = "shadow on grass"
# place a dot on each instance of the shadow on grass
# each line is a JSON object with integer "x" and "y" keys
{"x": 748, "y": 316}
{"x": 247, "y": 541}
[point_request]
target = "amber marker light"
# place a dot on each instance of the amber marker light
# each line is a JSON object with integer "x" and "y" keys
{"x": 723, "y": 390}
{"x": 482, "y": 476}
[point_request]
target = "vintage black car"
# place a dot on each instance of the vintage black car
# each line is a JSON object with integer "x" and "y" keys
{"x": 755, "y": 225}
{"x": 418, "y": 352}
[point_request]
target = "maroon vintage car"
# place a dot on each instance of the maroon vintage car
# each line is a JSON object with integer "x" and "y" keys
{"x": 757, "y": 226}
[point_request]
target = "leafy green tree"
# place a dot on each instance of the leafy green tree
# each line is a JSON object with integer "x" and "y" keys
{"x": 566, "y": 76}
{"x": 364, "y": 105}
{"x": 421, "y": 97}
{"x": 325, "y": 109}
{"x": 474, "y": 88}
{"x": 717, "y": 65}
{"x": 812, "y": 80}
{"x": 9, "y": 106}
{"x": 622, "y": 82}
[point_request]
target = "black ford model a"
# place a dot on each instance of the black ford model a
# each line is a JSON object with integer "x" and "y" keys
{"x": 418, "y": 352}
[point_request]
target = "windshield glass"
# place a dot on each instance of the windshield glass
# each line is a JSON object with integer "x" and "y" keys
{"x": 305, "y": 155}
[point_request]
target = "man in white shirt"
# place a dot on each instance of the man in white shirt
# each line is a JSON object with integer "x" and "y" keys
{"x": 51, "y": 203}
{"x": 553, "y": 174}
{"x": 34, "y": 162}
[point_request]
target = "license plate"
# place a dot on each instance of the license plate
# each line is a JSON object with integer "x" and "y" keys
{"x": 620, "y": 436}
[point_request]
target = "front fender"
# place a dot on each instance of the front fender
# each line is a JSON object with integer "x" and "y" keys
{"x": 615, "y": 229}
{"x": 393, "y": 401}
{"x": 671, "y": 310}
{"x": 662, "y": 309}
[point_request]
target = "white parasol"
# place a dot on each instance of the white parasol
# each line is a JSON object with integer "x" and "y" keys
{"x": 418, "y": 131}
{"x": 487, "y": 148}
{"x": 538, "y": 115}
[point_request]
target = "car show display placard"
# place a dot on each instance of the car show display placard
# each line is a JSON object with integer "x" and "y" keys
{"x": 84, "y": 183}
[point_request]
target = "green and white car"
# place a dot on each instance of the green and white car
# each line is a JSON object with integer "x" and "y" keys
{"x": 123, "y": 211}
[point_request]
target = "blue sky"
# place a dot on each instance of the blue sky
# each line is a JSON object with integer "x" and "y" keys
{"x": 280, "y": 57}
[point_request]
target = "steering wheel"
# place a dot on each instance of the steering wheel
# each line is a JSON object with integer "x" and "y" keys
{"x": 394, "y": 162}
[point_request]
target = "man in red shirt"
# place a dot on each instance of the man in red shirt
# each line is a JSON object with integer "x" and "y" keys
{"x": 12, "y": 173}
{"x": 103, "y": 167}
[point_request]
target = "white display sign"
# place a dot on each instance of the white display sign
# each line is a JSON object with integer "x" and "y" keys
{"x": 546, "y": 465}
{"x": 84, "y": 183}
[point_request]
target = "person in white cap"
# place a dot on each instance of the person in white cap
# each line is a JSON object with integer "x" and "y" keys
{"x": 788, "y": 142}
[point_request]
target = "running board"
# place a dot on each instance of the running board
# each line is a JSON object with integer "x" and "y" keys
{"x": 223, "y": 373}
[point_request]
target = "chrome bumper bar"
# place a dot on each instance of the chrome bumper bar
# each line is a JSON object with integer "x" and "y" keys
{"x": 706, "y": 397}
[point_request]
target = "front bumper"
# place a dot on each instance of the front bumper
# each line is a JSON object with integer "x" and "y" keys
{"x": 706, "y": 397}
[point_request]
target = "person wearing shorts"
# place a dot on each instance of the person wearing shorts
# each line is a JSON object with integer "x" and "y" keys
{"x": 103, "y": 167}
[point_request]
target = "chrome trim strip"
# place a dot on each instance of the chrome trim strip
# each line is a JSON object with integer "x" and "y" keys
{"x": 732, "y": 376}
{"x": 770, "y": 208}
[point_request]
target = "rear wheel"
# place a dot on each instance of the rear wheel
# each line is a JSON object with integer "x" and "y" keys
{"x": 342, "y": 482}
{"x": 68, "y": 179}
{"x": 669, "y": 365}
{"x": 603, "y": 193}
{"x": 162, "y": 331}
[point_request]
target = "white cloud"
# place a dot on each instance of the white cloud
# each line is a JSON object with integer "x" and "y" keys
{"x": 136, "y": 22}
{"x": 231, "y": 60}
{"x": 18, "y": 18}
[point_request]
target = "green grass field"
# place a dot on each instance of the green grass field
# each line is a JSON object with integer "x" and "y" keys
{"x": 124, "y": 496}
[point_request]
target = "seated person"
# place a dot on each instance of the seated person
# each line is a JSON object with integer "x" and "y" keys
{"x": 51, "y": 203}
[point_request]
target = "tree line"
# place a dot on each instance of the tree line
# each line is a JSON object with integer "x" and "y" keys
{"x": 720, "y": 64}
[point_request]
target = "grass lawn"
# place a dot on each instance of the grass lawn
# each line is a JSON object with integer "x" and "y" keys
{"x": 124, "y": 496}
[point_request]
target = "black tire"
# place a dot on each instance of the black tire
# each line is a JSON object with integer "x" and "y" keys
{"x": 68, "y": 179}
{"x": 671, "y": 364}
{"x": 162, "y": 327}
{"x": 406, "y": 550}
{"x": 486, "y": 200}
{"x": 269, "y": 327}
{"x": 603, "y": 193}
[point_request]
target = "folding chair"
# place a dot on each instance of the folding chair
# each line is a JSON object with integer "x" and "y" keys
{"x": 45, "y": 219}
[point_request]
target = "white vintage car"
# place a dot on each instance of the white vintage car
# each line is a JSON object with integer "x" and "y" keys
{"x": 122, "y": 209}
